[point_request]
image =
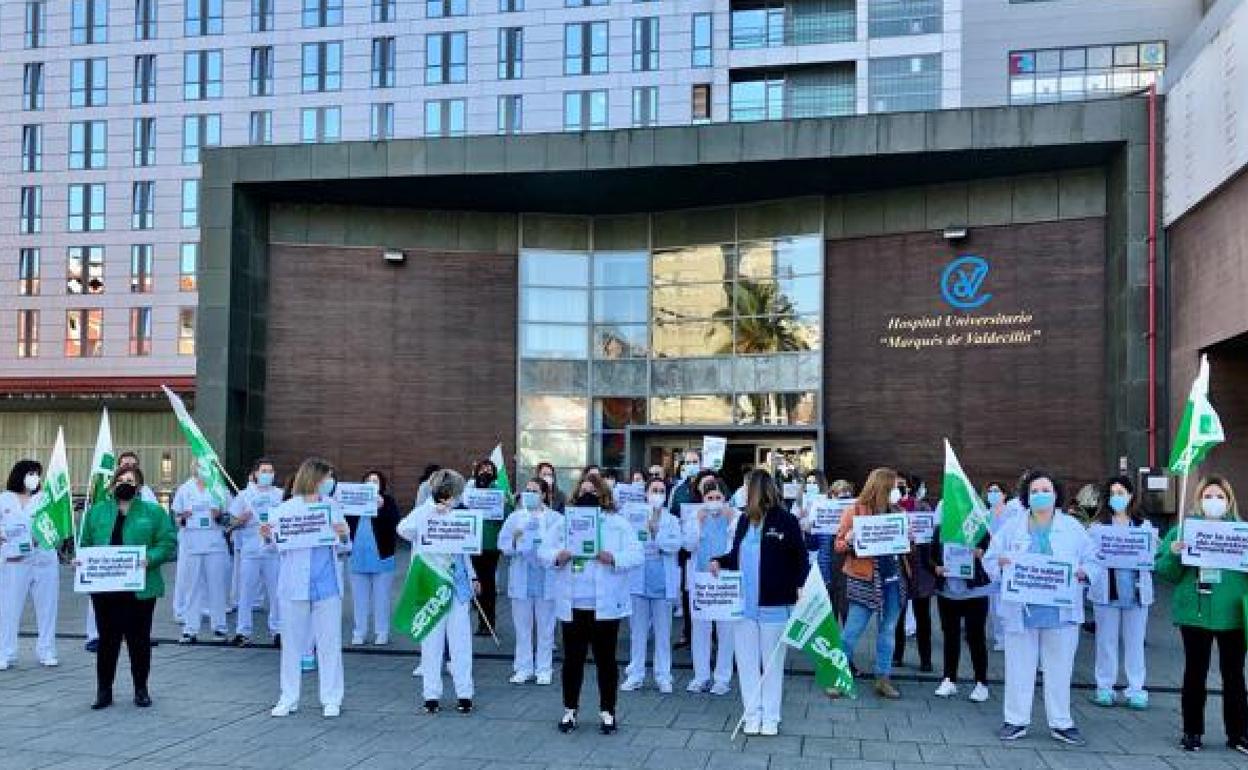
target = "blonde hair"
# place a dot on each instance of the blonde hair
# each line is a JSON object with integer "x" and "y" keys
{"x": 1214, "y": 480}
{"x": 308, "y": 478}
{"x": 761, "y": 495}
{"x": 879, "y": 485}
{"x": 841, "y": 486}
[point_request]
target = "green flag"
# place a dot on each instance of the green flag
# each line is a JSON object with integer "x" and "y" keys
{"x": 814, "y": 629}
{"x": 426, "y": 599}
{"x": 103, "y": 463}
{"x": 1200, "y": 430}
{"x": 206, "y": 460}
{"x": 963, "y": 517}
{"x": 53, "y": 520}
{"x": 503, "y": 482}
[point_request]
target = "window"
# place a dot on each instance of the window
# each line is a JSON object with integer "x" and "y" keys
{"x": 905, "y": 83}
{"x": 806, "y": 92}
{"x": 199, "y": 131}
{"x": 262, "y": 15}
{"x": 145, "y": 19}
{"x": 144, "y": 142}
{"x": 322, "y": 67}
{"x": 510, "y": 114}
{"x": 186, "y": 331}
{"x": 188, "y": 260}
{"x": 88, "y": 83}
{"x": 27, "y": 333}
{"x": 28, "y": 272}
{"x": 322, "y": 13}
{"x": 510, "y": 53}
{"x": 701, "y": 42}
{"x": 140, "y": 331}
{"x": 203, "y": 17}
{"x": 585, "y": 48}
{"x": 141, "y": 268}
{"x": 190, "y": 203}
{"x": 510, "y": 6}
{"x": 579, "y": 3}
{"x": 262, "y": 71}
{"x": 84, "y": 270}
{"x": 145, "y": 78}
{"x": 84, "y": 333}
{"x": 890, "y": 18}
{"x": 646, "y": 44}
{"x": 201, "y": 75}
{"x": 381, "y": 122}
{"x": 88, "y": 144}
{"x": 32, "y": 148}
{"x": 88, "y": 21}
{"x": 1092, "y": 72}
{"x": 645, "y": 106}
{"x": 384, "y": 10}
{"x": 36, "y": 23}
{"x": 321, "y": 124}
{"x": 383, "y": 62}
{"x": 437, "y": 8}
{"x": 700, "y": 98}
{"x": 446, "y": 58}
{"x": 32, "y": 86}
{"x": 143, "y": 206}
{"x": 86, "y": 208}
{"x": 444, "y": 117}
{"x": 31, "y": 216}
{"x": 260, "y": 127}
{"x": 584, "y": 110}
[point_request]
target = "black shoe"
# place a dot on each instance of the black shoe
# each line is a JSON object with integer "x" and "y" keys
{"x": 682, "y": 644}
{"x": 568, "y": 723}
{"x": 432, "y": 707}
{"x": 153, "y": 643}
{"x": 608, "y": 725}
{"x": 102, "y": 701}
{"x": 1239, "y": 744}
{"x": 925, "y": 668}
{"x": 1191, "y": 742}
{"x": 464, "y": 705}
{"x": 277, "y": 641}
{"x": 221, "y": 636}
{"x": 187, "y": 639}
{"x": 92, "y": 645}
{"x": 142, "y": 699}
{"x": 241, "y": 641}
{"x": 899, "y": 662}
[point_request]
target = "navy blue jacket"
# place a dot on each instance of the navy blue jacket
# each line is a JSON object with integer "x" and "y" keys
{"x": 783, "y": 561}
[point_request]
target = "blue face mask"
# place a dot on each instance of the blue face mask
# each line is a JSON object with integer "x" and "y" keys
{"x": 264, "y": 479}
{"x": 327, "y": 487}
{"x": 689, "y": 470}
{"x": 1119, "y": 503}
{"x": 1042, "y": 501}
{"x": 995, "y": 497}
{"x": 530, "y": 500}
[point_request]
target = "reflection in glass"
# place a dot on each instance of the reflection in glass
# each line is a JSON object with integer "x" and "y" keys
{"x": 618, "y": 413}
{"x": 553, "y": 341}
{"x": 776, "y": 409}
{"x": 693, "y": 264}
{"x": 694, "y": 338}
{"x": 621, "y": 305}
{"x": 555, "y": 447}
{"x": 553, "y": 413}
{"x": 612, "y": 450}
{"x": 617, "y": 342}
{"x": 797, "y": 295}
{"x": 691, "y": 410}
{"x": 554, "y": 268}
{"x": 780, "y": 258}
{"x": 554, "y": 305}
{"x": 700, "y": 300}
{"x": 621, "y": 268}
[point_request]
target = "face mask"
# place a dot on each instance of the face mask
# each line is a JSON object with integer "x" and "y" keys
{"x": 812, "y": 490}
{"x": 995, "y": 497}
{"x": 548, "y": 478}
{"x": 689, "y": 470}
{"x": 588, "y": 500}
{"x": 484, "y": 479}
{"x": 713, "y": 506}
{"x": 264, "y": 479}
{"x": 31, "y": 482}
{"x": 1042, "y": 501}
{"x": 656, "y": 500}
{"x": 530, "y": 500}
{"x": 894, "y": 496}
{"x": 922, "y": 493}
{"x": 326, "y": 487}
{"x": 1119, "y": 503}
{"x": 1214, "y": 507}
{"x": 124, "y": 491}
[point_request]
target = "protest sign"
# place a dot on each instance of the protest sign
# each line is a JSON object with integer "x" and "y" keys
{"x": 713, "y": 449}
{"x": 716, "y": 598}
{"x": 826, "y": 515}
{"x": 17, "y": 540}
{"x": 1124, "y": 547}
{"x": 923, "y": 525}
{"x": 456, "y": 532}
{"x": 102, "y": 569}
{"x": 357, "y": 499}
{"x": 1215, "y": 544}
{"x": 1032, "y": 578}
{"x": 584, "y": 537}
{"x": 491, "y": 502}
{"x": 629, "y": 493}
{"x": 881, "y": 535}
{"x": 959, "y": 561}
{"x": 303, "y": 526}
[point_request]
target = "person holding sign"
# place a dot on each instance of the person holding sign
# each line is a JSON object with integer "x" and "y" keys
{"x": 1121, "y": 600}
{"x": 591, "y": 596}
{"x": 655, "y": 589}
{"x": 25, "y": 568}
{"x": 707, "y": 535}
{"x": 770, "y": 552}
{"x": 1207, "y": 606}
{"x": 963, "y": 589}
{"x": 1044, "y": 631}
{"x": 485, "y": 476}
{"x": 309, "y": 585}
{"x": 258, "y": 570}
{"x": 207, "y": 569}
{"x": 125, "y": 519}
{"x": 923, "y": 580}
{"x": 812, "y": 492}
{"x": 371, "y": 564}
{"x": 530, "y": 585}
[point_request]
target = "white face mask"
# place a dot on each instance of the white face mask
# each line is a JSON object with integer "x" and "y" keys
{"x": 812, "y": 490}
{"x": 656, "y": 499}
{"x": 1213, "y": 507}
{"x": 31, "y": 482}
{"x": 894, "y": 496}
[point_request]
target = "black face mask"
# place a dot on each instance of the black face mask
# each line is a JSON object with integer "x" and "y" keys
{"x": 587, "y": 500}
{"x": 485, "y": 479}
{"x": 125, "y": 492}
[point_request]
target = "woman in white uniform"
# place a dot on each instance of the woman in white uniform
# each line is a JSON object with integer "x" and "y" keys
{"x": 530, "y": 585}
{"x": 656, "y": 589}
{"x": 207, "y": 572}
{"x": 27, "y": 568}
{"x": 250, "y": 510}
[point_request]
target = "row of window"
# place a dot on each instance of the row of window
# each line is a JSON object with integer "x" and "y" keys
{"x": 87, "y": 207}
{"x": 84, "y": 269}
{"x": 84, "y": 332}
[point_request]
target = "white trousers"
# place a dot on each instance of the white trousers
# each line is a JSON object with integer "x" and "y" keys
{"x": 1052, "y": 648}
{"x": 39, "y": 577}
{"x": 525, "y": 615}
{"x": 306, "y": 623}
{"x": 208, "y": 575}
{"x": 92, "y": 630}
{"x": 257, "y": 575}
{"x": 370, "y": 596}
{"x": 236, "y": 572}
{"x": 700, "y": 650}
{"x": 182, "y": 582}
{"x": 1115, "y": 627}
{"x": 754, "y": 642}
{"x": 650, "y": 614}
{"x": 454, "y": 632}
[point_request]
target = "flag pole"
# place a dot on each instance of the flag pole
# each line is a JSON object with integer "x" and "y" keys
{"x": 217, "y": 461}
{"x": 485, "y": 620}
{"x": 767, "y": 666}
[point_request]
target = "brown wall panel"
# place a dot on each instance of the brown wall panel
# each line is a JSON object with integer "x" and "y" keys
{"x": 1036, "y": 402}
{"x": 393, "y": 367}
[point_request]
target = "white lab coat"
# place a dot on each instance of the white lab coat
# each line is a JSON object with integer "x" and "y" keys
{"x": 664, "y": 545}
{"x": 612, "y": 584}
{"x": 32, "y": 570}
{"x": 204, "y": 560}
{"x": 537, "y": 528}
{"x": 1069, "y": 541}
{"x": 258, "y": 567}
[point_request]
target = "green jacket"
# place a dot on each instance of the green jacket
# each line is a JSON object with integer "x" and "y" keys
{"x": 146, "y": 524}
{"x": 1221, "y": 610}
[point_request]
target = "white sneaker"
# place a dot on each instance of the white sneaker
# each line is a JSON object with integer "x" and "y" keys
{"x": 752, "y": 727}
{"x": 519, "y": 678}
{"x": 283, "y": 709}
{"x": 331, "y": 711}
{"x": 947, "y": 689}
{"x": 665, "y": 687}
{"x": 770, "y": 728}
{"x": 416, "y": 671}
{"x": 356, "y": 640}
{"x": 5, "y": 665}
{"x": 697, "y": 685}
{"x": 719, "y": 688}
{"x": 543, "y": 680}
{"x": 980, "y": 693}
{"x": 998, "y": 646}
{"x": 381, "y": 641}
{"x": 49, "y": 663}
{"x": 631, "y": 684}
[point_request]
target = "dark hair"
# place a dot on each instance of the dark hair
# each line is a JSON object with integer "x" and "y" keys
{"x": 719, "y": 487}
{"x": 996, "y": 484}
{"x": 136, "y": 472}
{"x": 762, "y": 495}
{"x": 383, "y": 485}
{"x": 1024, "y": 492}
{"x": 429, "y": 470}
{"x": 1105, "y": 514}
{"x": 17, "y": 476}
{"x": 695, "y": 487}
{"x": 592, "y": 466}
{"x": 479, "y": 465}
{"x": 261, "y": 461}
{"x": 129, "y": 453}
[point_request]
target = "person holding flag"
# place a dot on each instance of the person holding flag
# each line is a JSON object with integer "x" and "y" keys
{"x": 490, "y": 473}
{"x": 199, "y": 509}
{"x": 29, "y": 566}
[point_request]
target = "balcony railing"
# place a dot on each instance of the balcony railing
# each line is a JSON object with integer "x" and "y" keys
{"x": 769, "y": 28}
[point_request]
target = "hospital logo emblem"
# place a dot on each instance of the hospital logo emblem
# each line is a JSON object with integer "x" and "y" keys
{"x": 962, "y": 282}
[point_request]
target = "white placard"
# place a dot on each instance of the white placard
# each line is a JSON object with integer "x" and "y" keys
{"x": 826, "y": 515}
{"x": 200, "y": 518}
{"x": 1215, "y": 544}
{"x": 104, "y": 569}
{"x": 582, "y": 530}
{"x": 959, "y": 561}
{"x": 923, "y": 525}
{"x": 629, "y": 493}
{"x": 357, "y": 499}
{"x": 457, "y": 532}
{"x": 491, "y": 502}
{"x": 789, "y": 490}
{"x": 638, "y": 517}
{"x": 716, "y": 598}
{"x": 881, "y": 535}
{"x": 17, "y": 540}
{"x": 713, "y": 449}
{"x": 1033, "y": 578}
{"x": 1124, "y": 547}
{"x": 307, "y": 526}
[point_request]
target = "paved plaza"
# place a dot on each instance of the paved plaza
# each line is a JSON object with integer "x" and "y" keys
{"x": 212, "y": 707}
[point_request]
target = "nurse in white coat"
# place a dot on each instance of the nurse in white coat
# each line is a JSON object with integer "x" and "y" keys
{"x": 656, "y": 589}
{"x": 530, "y": 584}
{"x": 251, "y": 509}
{"x": 310, "y": 589}
{"x": 708, "y": 533}
{"x": 26, "y": 568}
{"x": 207, "y": 571}
{"x": 1035, "y": 634}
